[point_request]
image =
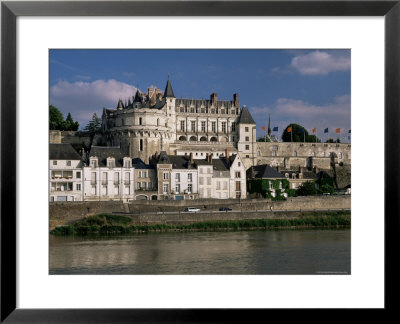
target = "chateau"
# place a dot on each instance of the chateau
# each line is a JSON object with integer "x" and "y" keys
{"x": 157, "y": 146}
{"x": 157, "y": 121}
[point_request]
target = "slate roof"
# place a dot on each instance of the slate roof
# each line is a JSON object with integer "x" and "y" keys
{"x": 264, "y": 172}
{"x": 103, "y": 152}
{"x": 168, "y": 90}
{"x": 137, "y": 163}
{"x": 202, "y": 102}
{"x": 63, "y": 152}
{"x": 245, "y": 117}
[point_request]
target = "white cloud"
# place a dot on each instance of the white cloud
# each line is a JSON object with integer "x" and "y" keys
{"x": 320, "y": 63}
{"x": 332, "y": 115}
{"x": 82, "y": 99}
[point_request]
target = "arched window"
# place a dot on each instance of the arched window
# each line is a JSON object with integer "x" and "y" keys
{"x": 140, "y": 120}
{"x": 158, "y": 121}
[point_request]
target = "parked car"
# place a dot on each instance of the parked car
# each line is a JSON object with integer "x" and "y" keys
{"x": 224, "y": 208}
{"x": 191, "y": 209}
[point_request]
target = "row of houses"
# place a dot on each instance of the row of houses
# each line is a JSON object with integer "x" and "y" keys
{"x": 105, "y": 173}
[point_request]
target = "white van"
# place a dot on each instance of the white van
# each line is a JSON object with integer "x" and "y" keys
{"x": 191, "y": 210}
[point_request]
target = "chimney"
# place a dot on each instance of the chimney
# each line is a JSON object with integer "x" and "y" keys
{"x": 191, "y": 158}
{"x": 236, "y": 100}
{"x": 214, "y": 98}
{"x": 227, "y": 153}
{"x": 210, "y": 158}
{"x": 206, "y": 156}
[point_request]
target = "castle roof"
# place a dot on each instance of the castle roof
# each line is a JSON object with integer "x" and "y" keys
{"x": 264, "y": 172}
{"x": 137, "y": 163}
{"x": 63, "y": 152}
{"x": 168, "y": 90}
{"x": 245, "y": 117}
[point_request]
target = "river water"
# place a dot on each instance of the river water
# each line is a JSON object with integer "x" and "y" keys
{"x": 243, "y": 252}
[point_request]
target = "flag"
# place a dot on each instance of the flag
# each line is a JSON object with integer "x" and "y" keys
{"x": 275, "y": 129}
{"x": 349, "y": 131}
{"x": 264, "y": 128}
{"x": 337, "y": 130}
{"x": 302, "y": 130}
{"x": 314, "y": 130}
{"x": 289, "y": 129}
{"x": 326, "y": 130}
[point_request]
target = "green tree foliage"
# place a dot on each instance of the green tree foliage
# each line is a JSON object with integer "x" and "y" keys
{"x": 70, "y": 124}
{"x": 263, "y": 139}
{"x": 57, "y": 122}
{"x": 331, "y": 140}
{"x": 56, "y": 119}
{"x": 325, "y": 188}
{"x": 307, "y": 189}
{"x": 298, "y": 134}
{"x": 94, "y": 125}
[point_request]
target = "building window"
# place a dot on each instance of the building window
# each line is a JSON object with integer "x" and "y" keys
{"x": 295, "y": 153}
{"x": 274, "y": 153}
{"x": 233, "y": 138}
{"x": 141, "y": 145}
{"x": 143, "y": 186}
{"x": 203, "y": 126}
{"x": 246, "y": 129}
{"x": 68, "y": 163}
{"x": 78, "y": 187}
{"x": 247, "y": 147}
{"x": 340, "y": 155}
{"x": 177, "y": 188}
{"x": 127, "y": 164}
{"x": 213, "y": 124}
{"x": 165, "y": 175}
{"x": 189, "y": 177}
{"x": 111, "y": 163}
{"x": 237, "y": 174}
{"x": 247, "y": 156}
{"x": 208, "y": 181}
{"x": 140, "y": 120}
{"x": 275, "y": 147}
{"x": 247, "y": 139}
{"x": 193, "y": 124}
{"x": 182, "y": 125}
{"x": 201, "y": 180}
{"x": 165, "y": 188}
{"x": 224, "y": 127}
{"x": 233, "y": 124}
{"x": 189, "y": 188}
{"x": 177, "y": 177}
{"x": 54, "y": 162}
{"x": 138, "y": 185}
{"x": 94, "y": 163}
{"x": 239, "y": 162}
{"x": 78, "y": 174}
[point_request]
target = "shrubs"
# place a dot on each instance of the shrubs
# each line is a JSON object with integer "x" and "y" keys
{"x": 315, "y": 219}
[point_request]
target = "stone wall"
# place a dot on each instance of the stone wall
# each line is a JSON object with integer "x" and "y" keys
{"x": 64, "y": 213}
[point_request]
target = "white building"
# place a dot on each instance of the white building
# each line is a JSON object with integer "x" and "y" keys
{"x": 109, "y": 175}
{"x": 65, "y": 173}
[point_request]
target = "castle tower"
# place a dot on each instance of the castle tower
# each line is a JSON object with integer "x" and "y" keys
{"x": 247, "y": 138}
{"x": 170, "y": 112}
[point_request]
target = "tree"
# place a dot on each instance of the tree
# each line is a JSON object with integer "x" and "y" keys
{"x": 69, "y": 123}
{"x": 307, "y": 189}
{"x": 94, "y": 125}
{"x": 263, "y": 139}
{"x": 331, "y": 140}
{"x": 56, "y": 119}
{"x": 298, "y": 134}
{"x": 57, "y": 122}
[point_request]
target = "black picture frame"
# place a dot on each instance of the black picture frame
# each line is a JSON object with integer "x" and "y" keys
{"x": 10, "y": 10}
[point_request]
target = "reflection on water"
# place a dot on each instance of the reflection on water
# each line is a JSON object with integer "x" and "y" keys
{"x": 252, "y": 252}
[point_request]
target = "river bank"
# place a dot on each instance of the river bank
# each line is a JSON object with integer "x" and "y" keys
{"x": 105, "y": 224}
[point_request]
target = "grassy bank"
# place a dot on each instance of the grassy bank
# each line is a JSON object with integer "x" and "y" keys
{"x": 117, "y": 224}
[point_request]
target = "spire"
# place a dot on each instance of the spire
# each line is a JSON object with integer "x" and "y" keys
{"x": 168, "y": 90}
{"x": 269, "y": 125}
{"x": 137, "y": 96}
{"x": 120, "y": 105}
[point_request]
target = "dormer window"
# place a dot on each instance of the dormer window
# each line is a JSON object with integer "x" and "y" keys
{"x": 93, "y": 162}
{"x": 54, "y": 162}
{"x": 127, "y": 162}
{"x": 68, "y": 163}
{"x": 111, "y": 163}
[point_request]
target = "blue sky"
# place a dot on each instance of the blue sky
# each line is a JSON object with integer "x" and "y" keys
{"x": 307, "y": 87}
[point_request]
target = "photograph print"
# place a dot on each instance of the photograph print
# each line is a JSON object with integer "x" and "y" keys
{"x": 200, "y": 161}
